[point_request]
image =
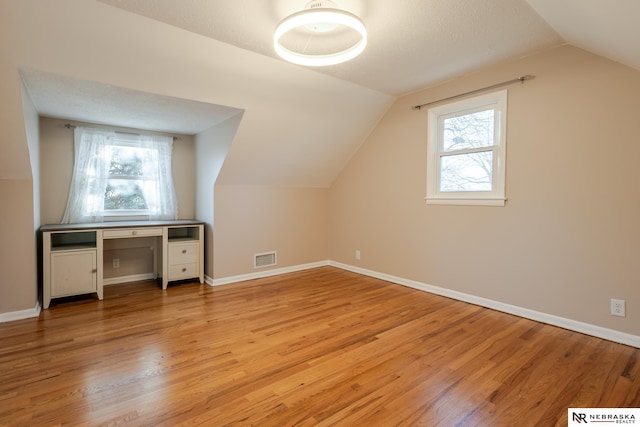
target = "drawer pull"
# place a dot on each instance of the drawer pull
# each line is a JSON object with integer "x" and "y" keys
{"x": 184, "y": 269}
{"x": 184, "y": 251}
{"x": 134, "y": 233}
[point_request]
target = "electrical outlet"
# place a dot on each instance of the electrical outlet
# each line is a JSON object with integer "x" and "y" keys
{"x": 116, "y": 263}
{"x": 357, "y": 254}
{"x": 617, "y": 307}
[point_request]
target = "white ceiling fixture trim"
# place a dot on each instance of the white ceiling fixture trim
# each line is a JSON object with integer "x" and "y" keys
{"x": 320, "y": 16}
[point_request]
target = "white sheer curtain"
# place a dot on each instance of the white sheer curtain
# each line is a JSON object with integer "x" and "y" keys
{"x": 93, "y": 149}
{"x": 158, "y": 187}
{"x": 90, "y": 174}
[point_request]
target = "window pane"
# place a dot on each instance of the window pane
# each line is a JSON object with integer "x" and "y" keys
{"x": 124, "y": 194}
{"x": 473, "y": 130}
{"x": 466, "y": 172}
{"x": 126, "y": 161}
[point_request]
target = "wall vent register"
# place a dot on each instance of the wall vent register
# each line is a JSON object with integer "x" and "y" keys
{"x": 265, "y": 259}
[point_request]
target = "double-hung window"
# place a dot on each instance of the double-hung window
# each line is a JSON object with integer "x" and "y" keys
{"x": 124, "y": 193}
{"x": 466, "y": 151}
{"x": 120, "y": 176}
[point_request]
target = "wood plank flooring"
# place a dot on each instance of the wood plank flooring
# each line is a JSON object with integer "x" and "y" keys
{"x": 320, "y": 347}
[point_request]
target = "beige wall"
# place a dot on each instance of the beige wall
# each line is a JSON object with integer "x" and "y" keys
{"x": 135, "y": 257}
{"x": 569, "y": 237}
{"x": 18, "y": 248}
{"x": 19, "y": 217}
{"x": 211, "y": 147}
{"x": 250, "y": 220}
{"x": 32, "y": 131}
{"x": 18, "y": 263}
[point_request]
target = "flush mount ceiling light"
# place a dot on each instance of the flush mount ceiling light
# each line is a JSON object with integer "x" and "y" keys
{"x": 319, "y": 20}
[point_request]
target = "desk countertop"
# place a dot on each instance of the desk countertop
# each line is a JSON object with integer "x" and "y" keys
{"x": 118, "y": 224}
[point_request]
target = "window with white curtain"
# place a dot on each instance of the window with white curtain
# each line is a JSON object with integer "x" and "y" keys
{"x": 120, "y": 176}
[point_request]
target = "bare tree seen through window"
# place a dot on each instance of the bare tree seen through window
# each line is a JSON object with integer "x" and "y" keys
{"x": 124, "y": 186}
{"x": 467, "y": 164}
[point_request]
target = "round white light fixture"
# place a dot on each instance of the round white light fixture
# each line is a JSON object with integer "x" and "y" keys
{"x": 320, "y": 17}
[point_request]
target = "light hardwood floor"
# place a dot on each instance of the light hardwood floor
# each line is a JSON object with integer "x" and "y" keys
{"x": 318, "y": 347}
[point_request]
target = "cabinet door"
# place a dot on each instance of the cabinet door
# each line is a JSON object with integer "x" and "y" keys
{"x": 73, "y": 272}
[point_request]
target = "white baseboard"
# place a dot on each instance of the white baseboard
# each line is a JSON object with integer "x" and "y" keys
{"x": 573, "y": 325}
{"x": 20, "y": 314}
{"x": 127, "y": 279}
{"x": 266, "y": 273}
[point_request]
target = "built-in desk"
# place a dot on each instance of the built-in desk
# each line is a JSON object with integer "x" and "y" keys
{"x": 72, "y": 254}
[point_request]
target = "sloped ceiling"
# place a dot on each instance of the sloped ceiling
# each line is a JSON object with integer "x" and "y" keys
{"x": 411, "y": 43}
{"x": 606, "y": 28}
{"x": 65, "y": 97}
{"x": 300, "y": 125}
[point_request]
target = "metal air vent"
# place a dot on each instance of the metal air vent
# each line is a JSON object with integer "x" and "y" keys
{"x": 264, "y": 259}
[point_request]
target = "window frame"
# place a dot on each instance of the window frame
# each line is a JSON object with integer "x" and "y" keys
{"x": 123, "y": 141}
{"x": 435, "y": 152}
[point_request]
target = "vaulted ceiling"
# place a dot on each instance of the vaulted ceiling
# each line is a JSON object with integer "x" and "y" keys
{"x": 412, "y": 43}
{"x": 300, "y": 125}
{"x": 416, "y": 43}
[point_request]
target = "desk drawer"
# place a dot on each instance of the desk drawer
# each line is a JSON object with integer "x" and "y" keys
{"x": 131, "y": 232}
{"x": 183, "y": 253}
{"x": 183, "y": 271}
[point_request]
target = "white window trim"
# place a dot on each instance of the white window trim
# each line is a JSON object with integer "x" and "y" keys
{"x": 126, "y": 214}
{"x": 496, "y": 197}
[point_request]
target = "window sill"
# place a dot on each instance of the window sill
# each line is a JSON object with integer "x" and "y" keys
{"x": 466, "y": 202}
{"x": 111, "y": 217}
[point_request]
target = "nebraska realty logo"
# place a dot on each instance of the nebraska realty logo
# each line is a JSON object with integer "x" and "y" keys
{"x": 602, "y": 416}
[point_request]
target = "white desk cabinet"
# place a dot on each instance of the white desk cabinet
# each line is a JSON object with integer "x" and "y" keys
{"x": 183, "y": 260}
{"x": 72, "y": 254}
{"x": 73, "y": 272}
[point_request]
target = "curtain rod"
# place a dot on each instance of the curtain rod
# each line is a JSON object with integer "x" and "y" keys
{"x": 521, "y": 79}
{"x": 70, "y": 126}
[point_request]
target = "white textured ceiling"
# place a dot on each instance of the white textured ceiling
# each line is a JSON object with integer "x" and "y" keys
{"x": 70, "y": 98}
{"x": 219, "y": 53}
{"x": 412, "y": 43}
{"x": 604, "y": 27}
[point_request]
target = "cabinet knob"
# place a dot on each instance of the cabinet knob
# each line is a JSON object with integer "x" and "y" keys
{"x": 184, "y": 269}
{"x": 95, "y": 270}
{"x": 184, "y": 251}
{"x": 134, "y": 232}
